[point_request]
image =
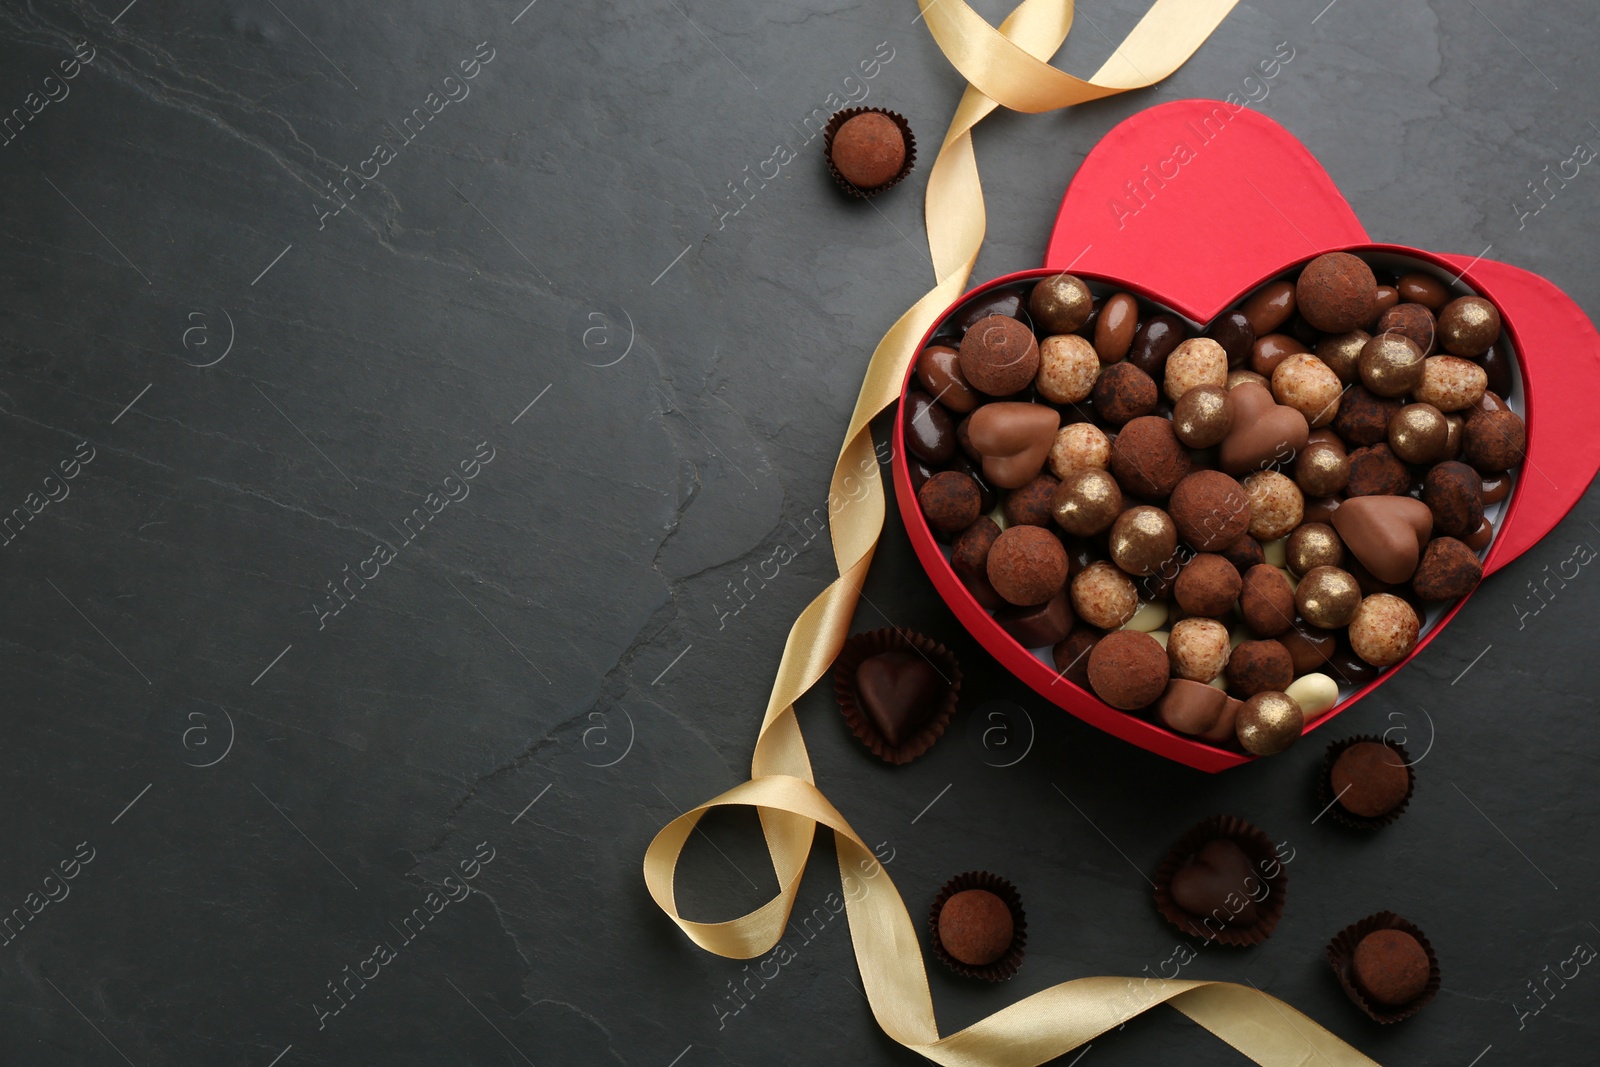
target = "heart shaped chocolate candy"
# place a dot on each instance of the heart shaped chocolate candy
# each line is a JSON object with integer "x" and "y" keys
{"x": 901, "y": 692}
{"x": 1264, "y": 431}
{"x": 1220, "y": 871}
{"x": 1014, "y": 440}
{"x": 1385, "y": 533}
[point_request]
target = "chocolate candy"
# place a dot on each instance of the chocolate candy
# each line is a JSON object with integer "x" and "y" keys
{"x": 1328, "y": 597}
{"x": 1496, "y": 487}
{"x": 939, "y": 371}
{"x": 1203, "y": 416}
{"x": 1268, "y": 723}
{"x": 950, "y": 501}
{"x": 869, "y": 150}
{"x": 1123, "y": 393}
{"x": 1391, "y": 967}
{"x": 1363, "y": 417}
{"x": 1039, "y": 626}
{"x": 1322, "y": 470}
{"x": 1207, "y": 586}
{"x": 1060, "y": 304}
{"x": 1128, "y": 669}
{"x": 1259, "y": 667}
{"x": 1027, "y": 565}
{"x": 1388, "y": 297}
{"x": 1418, "y": 434}
{"x": 1270, "y": 306}
{"x": 1369, "y": 779}
{"x": 1449, "y": 570}
{"x": 1266, "y": 600}
{"x": 1336, "y": 292}
{"x": 1494, "y": 441}
{"x": 1271, "y": 350}
{"x": 1071, "y": 656}
{"x": 999, "y": 355}
{"x": 1147, "y": 458}
{"x": 1080, "y": 446}
{"x": 901, "y": 692}
{"x": 975, "y": 927}
{"x": 1305, "y": 383}
{"x": 1103, "y": 596}
{"x": 1455, "y": 494}
{"x": 969, "y": 555}
{"x": 1309, "y": 648}
{"x": 1390, "y": 365}
{"x": 1196, "y": 362}
{"x": 1086, "y": 502}
{"x": 1313, "y": 545}
{"x": 1154, "y": 341}
{"x": 1232, "y": 330}
{"x": 1450, "y": 383}
{"x": 1142, "y": 540}
{"x": 1496, "y": 363}
{"x": 1013, "y": 439}
{"x": 1219, "y": 883}
{"x": 1385, "y": 534}
{"x": 1068, "y": 368}
{"x": 1342, "y": 351}
{"x": 1384, "y": 630}
{"x": 1030, "y": 505}
{"x": 1194, "y": 708}
{"x": 1276, "y": 505}
{"x": 1468, "y": 326}
{"x": 1198, "y": 650}
{"x": 1413, "y": 322}
{"x": 1377, "y": 471}
{"x": 1113, "y": 332}
{"x": 1422, "y": 289}
{"x": 1264, "y": 432}
{"x": 930, "y": 432}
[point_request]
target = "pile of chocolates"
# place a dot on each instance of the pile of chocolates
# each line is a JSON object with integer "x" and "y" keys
{"x": 1226, "y": 531}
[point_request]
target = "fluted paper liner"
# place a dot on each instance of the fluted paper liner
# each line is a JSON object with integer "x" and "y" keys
{"x": 839, "y": 119}
{"x": 1344, "y": 817}
{"x": 862, "y": 647}
{"x": 1008, "y": 964}
{"x": 1341, "y": 957}
{"x": 1263, "y": 857}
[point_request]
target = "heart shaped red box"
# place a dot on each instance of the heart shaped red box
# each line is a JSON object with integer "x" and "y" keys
{"x": 1193, "y": 205}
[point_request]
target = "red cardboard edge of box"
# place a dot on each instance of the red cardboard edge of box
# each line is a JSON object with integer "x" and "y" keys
{"x": 1153, "y": 209}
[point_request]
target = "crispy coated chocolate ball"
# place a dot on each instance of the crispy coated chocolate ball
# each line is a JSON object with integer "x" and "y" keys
{"x": 1313, "y": 545}
{"x": 1336, "y": 292}
{"x": 1276, "y": 505}
{"x": 1384, "y": 630}
{"x": 1363, "y": 417}
{"x": 1308, "y": 385}
{"x": 1128, "y": 669}
{"x": 1411, "y": 321}
{"x": 1266, "y": 600}
{"x": 999, "y": 355}
{"x": 1198, "y": 649}
{"x": 1071, "y": 655}
{"x": 1370, "y": 779}
{"x": 1268, "y": 723}
{"x": 1468, "y": 326}
{"x": 869, "y": 150}
{"x": 1495, "y": 441}
{"x": 1027, "y": 565}
{"x": 1377, "y": 471}
{"x": 1103, "y": 596}
{"x": 1032, "y": 505}
{"x": 1391, "y": 967}
{"x": 1449, "y": 570}
{"x": 1342, "y": 351}
{"x": 1328, "y": 597}
{"x": 951, "y": 501}
{"x": 1142, "y": 540}
{"x": 1196, "y": 362}
{"x": 1203, "y": 416}
{"x": 1418, "y": 434}
{"x": 1390, "y": 365}
{"x": 1068, "y": 368}
{"x": 1147, "y": 457}
{"x": 1124, "y": 392}
{"x": 1454, "y": 492}
{"x": 1060, "y": 303}
{"x": 1079, "y": 446}
{"x": 1210, "y": 509}
{"x": 1259, "y": 667}
{"x": 1450, "y": 383}
{"x": 1086, "y": 502}
{"x": 1322, "y": 469}
{"x": 1207, "y": 585}
{"x": 975, "y": 927}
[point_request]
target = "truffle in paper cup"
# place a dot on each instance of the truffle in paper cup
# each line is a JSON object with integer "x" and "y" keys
{"x": 1262, "y": 879}
{"x": 1008, "y": 961}
{"x": 897, "y": 690}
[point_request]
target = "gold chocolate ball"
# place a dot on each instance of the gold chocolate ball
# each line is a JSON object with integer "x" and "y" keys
{"x": 1391, "y": 365}
{"x": 1060, "y": 304}
{"x": 1269, "y": 723}
{"x": 1418, "y": 434}
{"x": 1203, "y": 416}
{"x": 1454, "y": 424}
{"x": 1468, "y": 326}
{"x": 1327, "y": 597}
{"x": 1143, "y": 539}
{"x": 1312, "y": 545}
{"x": 1322, "y": 470}
{"x": 1086, "y": 502}
{"x": 1342, "y": 351}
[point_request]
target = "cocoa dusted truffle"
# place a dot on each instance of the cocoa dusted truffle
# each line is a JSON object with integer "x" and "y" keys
{"x": 1244, "y": 553}
{"x": 1210, "y": 509}
{"x": 1495, "y": 441}
{"x": 1128, "y": 669}
{"x": 1147, "y": 458}
{"x": 1336, "y": 292}
{"x": 1027, "y": 565}
{"x": 1207, "y": 586}
{"x": 1449, "y": 569}
{"x": 1454, "y": 493}
{"x": 969, "y": 556}
{"x": 951, "y": 501}
{"x": 1123, "y": 392}
{"x": 1391, "y": 967}
{"x": 1030, "y": 505}
{"x": 1413, "y": 322}
{"x": 1376, "y": 471}
{"x": 1266, "y": 599}
{"x": 1363, "y": 417}
{"x": 1370, "y": 779}
{"x": 1000, "y": 356}
{"x": 1259, "y": 667}
{"x": 1071, "y": 655}
{"x": 975, "y": 927}
{"x": 868, "y": 150}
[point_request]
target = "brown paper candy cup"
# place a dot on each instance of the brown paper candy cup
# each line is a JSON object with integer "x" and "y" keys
{"x": 864, "y": 645}
{"x": 839, "y": 119}
{"x": 1007, "y": 965}
{"x": 1343, "y": 817}
{"x": 1341, "y": 957}
{"x": 1263, "y": 857}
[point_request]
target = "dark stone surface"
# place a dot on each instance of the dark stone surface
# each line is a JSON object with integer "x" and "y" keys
{"x": 555, "y": 236}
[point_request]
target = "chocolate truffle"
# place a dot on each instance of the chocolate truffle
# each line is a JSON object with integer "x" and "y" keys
{"x": 869, "y": 150}
{"x": 1211, "y": 510}
{"x": 1217, "y": 884}
{"x": 975, "y": 926}
{"x": 1451, "y": 384}
{"x": 1103, "y": 596}
{"x": 1078, "y": 447}
{"x": 1495, "y": 441}
{"x": 1060, "y": 303}
{"x": 1203, "y": 416}
{"x": 1027, "y": 565}
{"x": 1449, "y": 569}
{"x": 1454, "y": 493}
{"x": 1328, "y": 597}
{"x": 1391, "y": 365}
{"x": 1071, "y": 656}
{"x": 1031, "y": 504}
{"x": 1411, "y": 321}
{"x": 1266, "y": 600}
{"x": 1391, "y": 967}
{"x": 1377, "y": 471}
{"x": 1342, "y": 351}
{"x": 950, "y": 501}
{"x": 1086, "y": 502}
{"x": 1068, "y": 369}
{"x": 1207, "y": 586}
{"x": 1369, "y": 779}
{"x": 1259, "y": 667}
{"x": 1468, "y": 326}
{"x": 1128, "y": 669}
{"x": 1276, "y": 505}
{"x": 969, "y": 556}
{"x": 1313, "y": 544}
{"x": 1363, "y": 417}
{"x": 1124, "y": 392}
{"x": 1142, "y": 540}
{"x": 1336, "y": 292}
{"x": 1384, "y": 630}
{"x": 1196, "y": 362}
{"x": 1418, "y": 434}
{"x": 901, "y": 693}
{"x": 1244, "y": 554}
{"x": 1268, "y": 723}
{"x": 1147, "y": 457}
{"x": 1198, "y": 650}
{"x": 999, "y": 355}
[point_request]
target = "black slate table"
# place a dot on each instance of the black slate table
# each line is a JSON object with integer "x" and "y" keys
{"x": 425, "y": 383}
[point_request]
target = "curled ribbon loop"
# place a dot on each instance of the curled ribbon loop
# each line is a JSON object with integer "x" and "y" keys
{"x": 1005, "y": 67}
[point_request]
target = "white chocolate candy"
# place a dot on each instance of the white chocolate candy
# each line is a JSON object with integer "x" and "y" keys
{"x": 1315, "y": 693}
{"x": 1151, "y": 616}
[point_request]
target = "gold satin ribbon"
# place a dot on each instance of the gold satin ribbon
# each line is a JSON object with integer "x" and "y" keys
{"x": 1006, "y": 67}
